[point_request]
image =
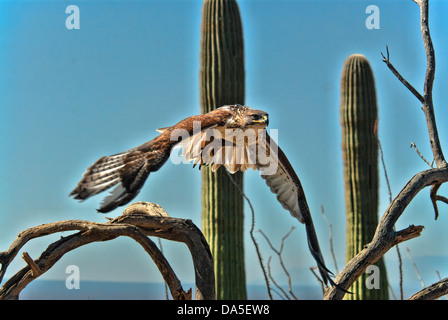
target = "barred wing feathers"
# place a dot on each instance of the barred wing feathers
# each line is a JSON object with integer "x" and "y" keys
{"x": 128, "y": 170}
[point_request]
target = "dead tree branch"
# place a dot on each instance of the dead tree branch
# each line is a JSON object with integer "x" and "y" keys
{"x": 413, "y": 145}
{"x": 428, "y": 106}
{"x": 426, "y": 98}
{"x": 252, "y": 236}
{"x": 279, "y": 254}
{"x": 138, "y": 221}
{"x": 330, "y": 227}
{"x": 416, "y": 270}
{"x": 432, "y": 292}
{"x": 385, "y": 236}
{"x": 386, "y": 60}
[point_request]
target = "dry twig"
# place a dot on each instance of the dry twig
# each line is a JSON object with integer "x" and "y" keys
{"x": 417, "y": 271}
{"x": 279, "y": 254}
{"x": 386, "y": 60}
{"x": 421, "y": 156}
{"x": 330, "y": 227}
{"x": 252, "y": 236}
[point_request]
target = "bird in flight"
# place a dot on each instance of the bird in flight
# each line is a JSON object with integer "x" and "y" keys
{"x": 232, "y": 136}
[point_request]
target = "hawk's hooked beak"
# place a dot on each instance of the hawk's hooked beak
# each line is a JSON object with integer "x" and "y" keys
{"x": 264, "y": 119}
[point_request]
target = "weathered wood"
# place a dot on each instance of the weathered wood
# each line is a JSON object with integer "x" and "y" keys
{"x": 432, "y": 292}
{"x": 138, "y": 221}
{"x": 385, "y": 236}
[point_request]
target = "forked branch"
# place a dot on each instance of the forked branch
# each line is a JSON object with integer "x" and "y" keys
{"x": 386, "y": 60}
{"x": 426, "y": 97}
{"x": 138, "y": 221}
{"x": 385, "y": 236}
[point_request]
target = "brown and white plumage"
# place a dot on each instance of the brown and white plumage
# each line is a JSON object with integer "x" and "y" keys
{"x": 231, "y": 136}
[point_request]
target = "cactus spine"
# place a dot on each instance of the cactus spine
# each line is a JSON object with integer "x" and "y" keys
{"x": 222, "y": 81}
{"x": 358, "y": 112}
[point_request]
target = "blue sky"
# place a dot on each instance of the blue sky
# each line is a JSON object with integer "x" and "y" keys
{"x": 69, "y": 97}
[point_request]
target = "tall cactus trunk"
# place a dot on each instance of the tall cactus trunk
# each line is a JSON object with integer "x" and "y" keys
{"x": 222, "y": 81}
{"x": 358, "y": 111}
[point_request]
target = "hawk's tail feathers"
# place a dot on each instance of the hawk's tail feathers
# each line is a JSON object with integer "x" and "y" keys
{"x": 313, "y": 245}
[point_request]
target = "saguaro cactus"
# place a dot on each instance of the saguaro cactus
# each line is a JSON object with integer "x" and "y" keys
{"x": 222, "y": 81}
{"x": 359, "y": 119}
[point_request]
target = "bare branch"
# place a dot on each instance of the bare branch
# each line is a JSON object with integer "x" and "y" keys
{"x": 417, "y": 271}
{"x": 429, "y": 48}
{"x": 400, "y": 265}
{"x": 36, "y": 272}
{"x": 428, "y": 106}
{"x": 434, "y": 197}
{"x": 433, "y": 291}
{"x": 442, "y": 198}
{"x": 383, "y": 162}
{"x": 421, "y": 156}
{"x": 385, "y": 236}
{"x": 275, "y": 282}
{"x": 426, "y": 98}
{"x": 330, "y": 226}
{"x": 313, "y": 271}
{"x": 400, "y": 271}
{"x": 386, "y": 60}
{"x": 252, "y": 236}
{"x": 279, "y": 254}
{"x": 139, "y": 221}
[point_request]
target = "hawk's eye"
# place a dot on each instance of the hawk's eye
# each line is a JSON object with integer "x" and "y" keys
{"x": 259, "y": 118}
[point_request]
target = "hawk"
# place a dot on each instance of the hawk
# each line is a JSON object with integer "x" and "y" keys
{"x": 232, "y": 136}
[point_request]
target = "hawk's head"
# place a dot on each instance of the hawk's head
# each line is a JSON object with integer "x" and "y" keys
{"x": 245, "y": 117}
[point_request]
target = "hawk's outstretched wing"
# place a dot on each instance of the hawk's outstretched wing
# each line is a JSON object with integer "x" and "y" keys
{"x": 130, "y": 169}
